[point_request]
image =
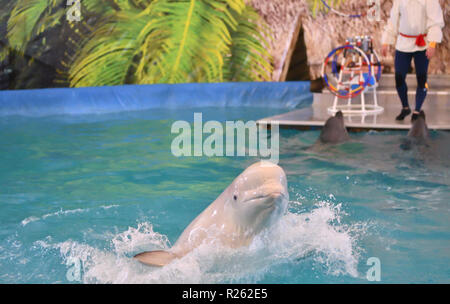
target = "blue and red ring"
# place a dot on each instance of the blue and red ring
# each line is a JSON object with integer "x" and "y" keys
{"x": 349, "y": 93}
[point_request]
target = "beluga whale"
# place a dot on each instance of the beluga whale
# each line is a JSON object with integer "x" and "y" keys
{"x": 334, "y": 130}
{"x": 253, "y": 201}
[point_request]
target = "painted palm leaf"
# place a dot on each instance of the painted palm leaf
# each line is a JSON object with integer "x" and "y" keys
{"x": 6, "y": 8}
{"x": 191, "y": 37}
{"x": 108, "y": 55}
{"x": 171, "y": 42}
{"x": 152, "y": 41}
{"x": 249, "y": 59}
{"x": 22, "y": 22}
{"x": 29, "y": 18}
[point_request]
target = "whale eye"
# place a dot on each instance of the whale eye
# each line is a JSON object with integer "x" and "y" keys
{"x": 235, "y": 197}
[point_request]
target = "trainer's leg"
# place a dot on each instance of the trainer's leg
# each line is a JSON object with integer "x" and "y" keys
{"x": 421, "y": 63}
{"x": 402, "y": 65}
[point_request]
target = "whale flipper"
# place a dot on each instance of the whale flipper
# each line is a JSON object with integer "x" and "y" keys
{"x": 155, "y": 258}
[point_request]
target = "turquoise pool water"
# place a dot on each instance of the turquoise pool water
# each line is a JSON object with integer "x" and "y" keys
{"x": 93, "y": 190}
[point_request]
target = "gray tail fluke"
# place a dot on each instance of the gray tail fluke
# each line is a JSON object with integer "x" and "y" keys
{"x": 155, "y": 258}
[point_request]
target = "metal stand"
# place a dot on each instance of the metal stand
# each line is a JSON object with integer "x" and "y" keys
{"x": 362, "y": 107}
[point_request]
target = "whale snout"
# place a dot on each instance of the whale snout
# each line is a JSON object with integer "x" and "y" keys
{"x": 275, "y": 189}
{"x": 276, "y": 195}
{"x": 272, "y": 196}
{"x": 271, "y": 200}
{"x": 266, "y": 196}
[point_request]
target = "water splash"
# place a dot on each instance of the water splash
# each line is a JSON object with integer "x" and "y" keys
{"x": 61, "y": 212}
{"x": 318, "y": 235}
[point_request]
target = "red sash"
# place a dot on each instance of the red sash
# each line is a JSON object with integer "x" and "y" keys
{"x": 420, "y": 41}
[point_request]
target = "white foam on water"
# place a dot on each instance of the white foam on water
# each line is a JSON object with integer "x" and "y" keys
{"x": 29, "y": 220}
{"x": 61, "y": 212}
{"x": 318, "y": 235}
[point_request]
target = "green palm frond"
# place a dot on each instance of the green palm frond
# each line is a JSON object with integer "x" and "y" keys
{"x": 108, "y": 55}
{"x": 197, "y": 36}
{"x": 250, "y": 59}
{"x": 22, "y": 22}
{"x": 169, "y": 42}
{"x": 152, "y": 41}
{"x": 4, "y": 52}
{"x": 106, "y": 6}
{"x": 4, "y": 14}
{"x": 30, "y": 18}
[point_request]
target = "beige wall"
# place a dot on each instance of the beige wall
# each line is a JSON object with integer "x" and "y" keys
{"x": 327, "y": 31}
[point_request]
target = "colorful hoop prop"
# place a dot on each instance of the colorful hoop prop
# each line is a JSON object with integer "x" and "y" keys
{"x": 342, "y": 14}
{"x": 351, "y": 91}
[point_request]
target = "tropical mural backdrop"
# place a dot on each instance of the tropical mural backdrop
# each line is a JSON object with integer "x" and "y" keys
{"x": 77, "y": 43}
{"x": 135, "y": 41}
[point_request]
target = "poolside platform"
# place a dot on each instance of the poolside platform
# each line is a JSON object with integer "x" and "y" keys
{"x": 436, "y": 107}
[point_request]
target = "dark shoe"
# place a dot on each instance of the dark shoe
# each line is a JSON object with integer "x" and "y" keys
{"x": 417, "y": 115}
{"x": 403, "y": 114}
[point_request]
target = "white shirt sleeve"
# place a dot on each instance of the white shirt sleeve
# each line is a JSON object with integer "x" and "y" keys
{"x": 391, "y": 29}
{"x": 435, "y": 21}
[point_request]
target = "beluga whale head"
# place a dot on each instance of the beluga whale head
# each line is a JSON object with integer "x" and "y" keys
{"x": 257, "y": 196}
{"x": 253, "y": 201}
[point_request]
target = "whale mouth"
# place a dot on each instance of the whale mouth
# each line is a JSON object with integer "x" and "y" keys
{"x": 277, "y": 194}
{"x": 274, "y": 195}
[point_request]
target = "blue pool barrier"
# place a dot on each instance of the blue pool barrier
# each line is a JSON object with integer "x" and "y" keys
{"x": 92, "y": 100}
